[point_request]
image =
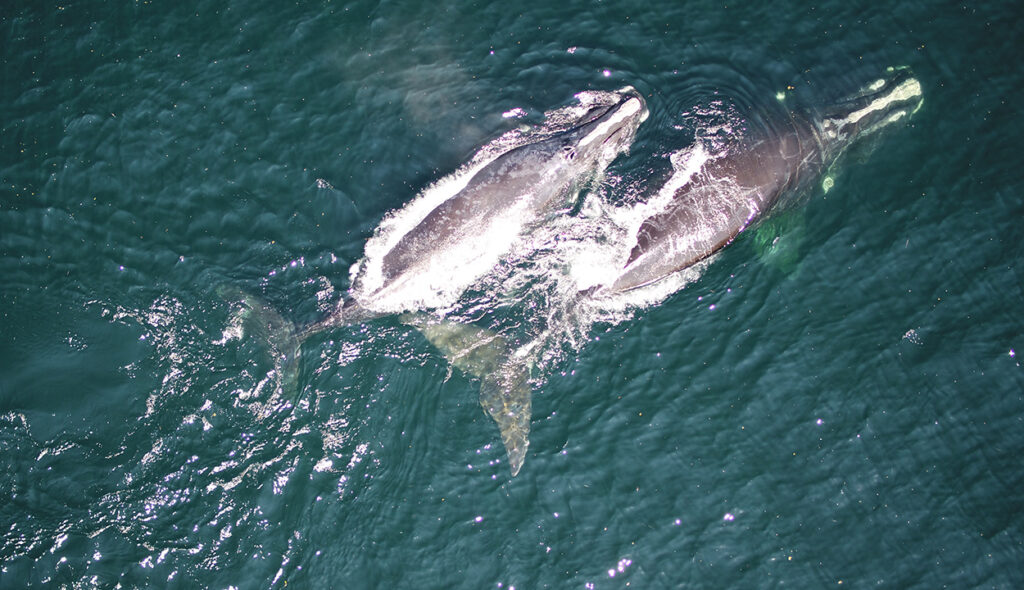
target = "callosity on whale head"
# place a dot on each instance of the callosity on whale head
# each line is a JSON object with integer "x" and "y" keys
{"x": 884, "y": 101}
{"x": 608, "y": 126}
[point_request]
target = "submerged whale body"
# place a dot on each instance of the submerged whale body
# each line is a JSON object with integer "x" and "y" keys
{"x": 734, "y": 189}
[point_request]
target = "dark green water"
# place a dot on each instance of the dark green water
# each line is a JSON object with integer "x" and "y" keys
{"x": 850, "y": 415}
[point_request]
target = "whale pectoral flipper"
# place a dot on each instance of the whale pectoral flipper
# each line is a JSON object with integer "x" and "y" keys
{"x": 504, "y": 388}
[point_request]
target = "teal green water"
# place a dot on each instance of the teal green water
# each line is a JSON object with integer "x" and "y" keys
{"x": 846, "y": 410}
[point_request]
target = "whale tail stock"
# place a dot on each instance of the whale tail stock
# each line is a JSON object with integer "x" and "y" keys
{"x": 505, "y": 392}
{"x": 347, "y": 312}
{"x": 283, "y": 338}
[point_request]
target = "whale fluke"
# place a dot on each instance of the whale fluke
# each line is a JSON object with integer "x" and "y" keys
{"x": 504, "y": 378}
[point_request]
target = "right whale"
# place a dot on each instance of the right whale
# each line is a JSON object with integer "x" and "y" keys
{"x": 706, "y": 209}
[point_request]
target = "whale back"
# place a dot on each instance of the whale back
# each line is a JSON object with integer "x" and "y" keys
{"x": 731, "y": 191}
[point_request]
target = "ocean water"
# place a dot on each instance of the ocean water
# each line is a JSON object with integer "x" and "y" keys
{"x": 844, "y": 407}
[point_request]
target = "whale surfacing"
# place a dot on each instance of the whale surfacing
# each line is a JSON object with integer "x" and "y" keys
{"x": 426, "y": 254}
{"x": 734, "y": 189}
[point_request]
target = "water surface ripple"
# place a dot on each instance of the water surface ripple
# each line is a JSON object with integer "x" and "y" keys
{"x": 843, "y": 408}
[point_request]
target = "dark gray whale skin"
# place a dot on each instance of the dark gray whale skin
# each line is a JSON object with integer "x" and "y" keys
{"x": 735, "y": 189}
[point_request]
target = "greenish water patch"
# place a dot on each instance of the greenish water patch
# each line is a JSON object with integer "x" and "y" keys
{"x": 777, "y": 240}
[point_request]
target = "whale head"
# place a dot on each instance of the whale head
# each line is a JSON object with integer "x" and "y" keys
{"x": 607, "y": 126}
{"x": 880, "y": 103}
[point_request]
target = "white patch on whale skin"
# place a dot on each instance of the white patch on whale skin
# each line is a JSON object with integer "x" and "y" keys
{"x": 598, "y": 259}
{"x": 909, "y": 88}
{"x": 436, "y": 281}
{"x": 370, "y": 269}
